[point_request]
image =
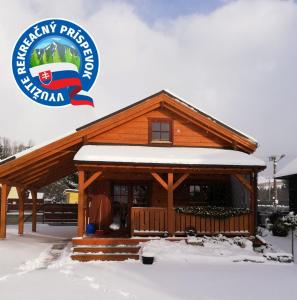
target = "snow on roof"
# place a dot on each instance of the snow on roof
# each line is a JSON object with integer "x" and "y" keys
{"x": 288, "y": 170}
{"x": 165, "y": 155}
{"x": 192, "y": 106}
{"x": 29, "y": 150}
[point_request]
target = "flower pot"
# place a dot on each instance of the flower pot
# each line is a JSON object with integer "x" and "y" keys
{"x": 147, "y": 260}
{"x": 91, "y": 228}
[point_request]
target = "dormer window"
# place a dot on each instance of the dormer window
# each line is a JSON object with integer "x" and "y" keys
{"x": 160, "y": 130}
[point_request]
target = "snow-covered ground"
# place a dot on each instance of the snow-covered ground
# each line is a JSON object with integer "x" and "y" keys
{"x": 37, "y": 266}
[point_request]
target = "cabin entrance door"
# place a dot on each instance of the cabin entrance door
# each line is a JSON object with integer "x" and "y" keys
{"x": 120, "y": 207}
{"x": 124, "y": 196}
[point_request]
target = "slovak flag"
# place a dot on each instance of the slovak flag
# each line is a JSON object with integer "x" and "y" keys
{"x": 56, "y": 76}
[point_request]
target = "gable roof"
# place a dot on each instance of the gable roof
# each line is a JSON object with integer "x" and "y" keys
{"x": 46, "y": 163}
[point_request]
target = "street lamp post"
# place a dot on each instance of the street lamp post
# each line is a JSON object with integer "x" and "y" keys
{"x": 275, "y": 160}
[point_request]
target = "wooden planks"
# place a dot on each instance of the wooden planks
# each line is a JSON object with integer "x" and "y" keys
{"x": 4, "y": 193}
{"x": 21, "y": 194}
{"x": 148, "y": 219}
{"x": 34, "y": 210}
{"x": 211, "y": 225}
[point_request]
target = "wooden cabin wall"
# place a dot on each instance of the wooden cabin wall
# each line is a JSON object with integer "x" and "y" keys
{"x": 135, "y": 132}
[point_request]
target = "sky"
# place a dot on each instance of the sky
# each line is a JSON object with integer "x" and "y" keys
{"x": 236, "y": 60}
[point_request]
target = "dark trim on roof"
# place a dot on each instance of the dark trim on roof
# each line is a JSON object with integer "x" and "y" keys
{"x": 190, "y": 166}
{"x": 5, "y": 160}
{"x": 286, "y": 177}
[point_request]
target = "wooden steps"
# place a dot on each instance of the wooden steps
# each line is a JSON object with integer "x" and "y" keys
{"x": 107, "y": 241}
{"x": 104, "y": 257}
{"x": 105, "y": 249}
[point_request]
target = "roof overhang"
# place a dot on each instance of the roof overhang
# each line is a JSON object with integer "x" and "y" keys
{"x": 288, "y": 171}
{"x": 166, "y": 156}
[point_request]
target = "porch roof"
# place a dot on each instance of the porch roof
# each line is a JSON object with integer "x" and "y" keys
{"x": 185, "y": 156}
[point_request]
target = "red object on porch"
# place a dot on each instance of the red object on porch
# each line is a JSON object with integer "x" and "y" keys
{"x": 100, "y": 209}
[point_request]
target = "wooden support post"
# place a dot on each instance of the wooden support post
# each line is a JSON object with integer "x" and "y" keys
{"x": 244, "y": 182}
{"x": 252, "y": 206}
{"x": 170, "y": 212}
{"x": 180, "y": 180}
{"x": 34, "y": 210}
{"x": 4, "y": 194}
{"x": 21, "y": 195}
{"x": 160, "y": 180}
{"x": 92, "y": 178}
{"x": 81, "y": 196}
{"x": 255, "y": 194}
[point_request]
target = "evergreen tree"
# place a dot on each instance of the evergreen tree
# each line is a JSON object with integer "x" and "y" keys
{"x": 44, "y": 58}
{"x": 49, "y": 57}
{"x": 56, "y": 56}
{"x": 34, "y": 61}
{"x": 68, "y": 55}
{"x": 76, "y": 61}
{"x": 1, "y": 152}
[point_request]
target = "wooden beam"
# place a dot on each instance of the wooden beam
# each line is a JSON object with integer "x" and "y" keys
{"x": 81, "y": 193}
{"x": 166, "y": 169}
{"x": 160, "y": 180}
{"x": 92, "y": 179}
{"x": 44, "y": 179}
{"x": 4, "y": 194}
{"x": 21, "y": 195}
{"x": 180, "y": 180}
{"x": 34, "y": 210}
{"x": 43, "y": 164}
{"x": 244, "y": 182}
{"x": 170, "y": 206}
{"x": 40, "y": 154}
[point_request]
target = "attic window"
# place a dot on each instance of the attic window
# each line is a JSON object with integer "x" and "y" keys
{"x": 160, "y": 130}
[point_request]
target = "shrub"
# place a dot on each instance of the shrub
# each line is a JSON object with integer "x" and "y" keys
{"x": 275, "y": 217}
{"x": 279, "y": 229}
{"x": 191, "y": 231}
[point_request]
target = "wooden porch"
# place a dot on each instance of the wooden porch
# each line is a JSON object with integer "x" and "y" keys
{"x": 164, "y": 219}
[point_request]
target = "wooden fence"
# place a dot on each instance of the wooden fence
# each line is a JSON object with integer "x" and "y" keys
{"x": 60, "y": 213}
{"x": 50, "y": 212}
{"x": 153, "y": 220}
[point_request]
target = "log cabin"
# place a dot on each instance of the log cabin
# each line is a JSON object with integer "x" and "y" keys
{"x": 158, "y": 167}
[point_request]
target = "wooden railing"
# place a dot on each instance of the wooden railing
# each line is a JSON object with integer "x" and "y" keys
{"x": 212, "y": 225}
{"x": 154, "y": 220}
{"x": 148, "y": 219}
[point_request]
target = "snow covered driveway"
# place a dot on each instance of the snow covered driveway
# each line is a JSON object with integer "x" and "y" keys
{"x": 209, "y": 275}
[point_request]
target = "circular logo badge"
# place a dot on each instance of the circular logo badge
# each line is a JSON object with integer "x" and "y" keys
{"x": 55, "y": 63}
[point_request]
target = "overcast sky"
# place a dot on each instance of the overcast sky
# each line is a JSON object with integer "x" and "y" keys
{"x": 236, "y": 60}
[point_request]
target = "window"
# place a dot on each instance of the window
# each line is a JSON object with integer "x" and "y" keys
{"x": 140, "y": 195}
{"x": 160, "y": 130}
{"x": 198, "y": 193}
{"x": 120, "y": 193}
